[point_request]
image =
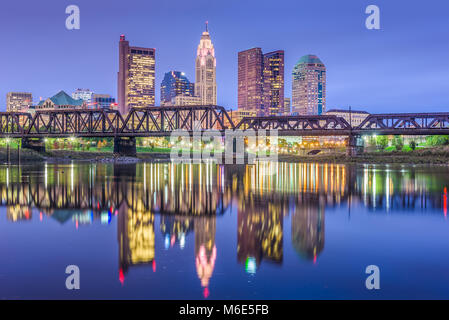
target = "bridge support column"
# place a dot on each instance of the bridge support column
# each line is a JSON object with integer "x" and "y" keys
{"x": 355, "y": 146}
{"x": 125, "y": 146}
{"x": 36, "y": 144}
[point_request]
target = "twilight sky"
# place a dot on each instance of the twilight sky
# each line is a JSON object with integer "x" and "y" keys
{"x": 404, "y": 67}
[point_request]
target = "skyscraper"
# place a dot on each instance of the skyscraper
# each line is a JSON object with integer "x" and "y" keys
{"x": 261, "y": 81}
{"x": 250, "y": 80}
{"x": 205, "y": 67}
{"x": 175, "y": 84}
{"x": 273, "y": 82}
{"x": 18, "y": 101}
{"x": 287, "y": 103}
{"x": 309, "y": 86}
{"x": 136, "y": 76}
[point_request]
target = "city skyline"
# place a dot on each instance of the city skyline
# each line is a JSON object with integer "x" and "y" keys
{"x": 358, "y": 60}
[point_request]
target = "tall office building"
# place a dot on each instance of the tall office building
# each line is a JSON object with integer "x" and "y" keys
{"x": 261, "y": 81}
{"x": 287, "y": 103}
{"x": 18, "y": 101}
{"x": 136, "y": 76}
{"x": 205, "y": 67}
{"x": 309, "y": 86}
{"x": 250, "y": 80}
{"x": 175, "y": 84}
{"x": 273, "y": 82}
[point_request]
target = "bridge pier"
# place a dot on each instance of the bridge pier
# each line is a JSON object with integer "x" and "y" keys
{"x": 125, "y": 146}
{"x": 355, "y": 146}
{"x": 36, "y": 144}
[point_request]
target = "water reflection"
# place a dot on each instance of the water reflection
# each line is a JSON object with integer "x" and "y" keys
{"x": 188, "y": 199}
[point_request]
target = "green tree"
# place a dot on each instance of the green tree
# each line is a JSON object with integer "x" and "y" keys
{"x": 437, "y": 140}
{"x": 382, "y": 142}
{"x": 398, "y": 143}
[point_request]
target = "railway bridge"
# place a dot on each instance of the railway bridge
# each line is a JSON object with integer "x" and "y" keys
{"x": 163, "y": 121}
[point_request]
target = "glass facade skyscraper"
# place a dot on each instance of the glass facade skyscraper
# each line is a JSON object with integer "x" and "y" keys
{"x": 261, "y": 81}
{"x": 250, "y": 80}
{"x": 273, "y": 82}
{"x": 175, "y": 84}
{"x": 136, "y": 76}
{"x": 309, "y": 86}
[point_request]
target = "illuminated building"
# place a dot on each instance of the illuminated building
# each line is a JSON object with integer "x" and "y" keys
{"x": 261, "y": 81}
{"x": 309, "y": 86}
{"x": 287, "y": 102}
{"x": 237, "y": 115}
{"x": 273, "y": 82}
{"x": 353, "y": 117}
{"x": 184, "y": 101}
{"x": 205, "y": 67}
{"x": 136, "y": 76}
{"x": 176, "y": 84}
{"x": 83, "y": 94}
{"x": 103, "y": 101}
{"x": 250, "y": 80}
{"x": 61, "y": 100}
{"x": 18, "y": 101}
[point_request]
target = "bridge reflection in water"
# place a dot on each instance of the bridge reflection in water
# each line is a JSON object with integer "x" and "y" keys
{"x": 190, "y": 197}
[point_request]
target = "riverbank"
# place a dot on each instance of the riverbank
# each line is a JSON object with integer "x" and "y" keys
{"x": 425, "y": 156}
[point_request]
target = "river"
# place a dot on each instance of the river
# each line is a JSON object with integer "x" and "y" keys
{"x": 190, "y": 231}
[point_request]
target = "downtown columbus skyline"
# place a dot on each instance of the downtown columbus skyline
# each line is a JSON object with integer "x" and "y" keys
{"x": 373, "y": 70}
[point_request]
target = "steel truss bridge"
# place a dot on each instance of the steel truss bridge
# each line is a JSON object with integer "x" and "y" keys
{"x": 162, "y": 121}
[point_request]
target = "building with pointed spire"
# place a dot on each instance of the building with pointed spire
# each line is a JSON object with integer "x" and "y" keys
{"x": 205, "y": 70}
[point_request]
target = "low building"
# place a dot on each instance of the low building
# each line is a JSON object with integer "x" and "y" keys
{"x": 182, "y": 100}
{"x": 103, "y": 101}
{"x": 83, "y": 94}
{"x": 18, "y": 101}
{"x": 60, "y": 101}
{"x": 237, "y": 115}
{"x": 353, "y": 117}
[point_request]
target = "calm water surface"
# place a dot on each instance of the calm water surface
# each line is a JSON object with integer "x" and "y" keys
{"x": 265, "y": 231}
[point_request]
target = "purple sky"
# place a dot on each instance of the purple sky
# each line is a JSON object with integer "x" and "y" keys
{"x": 404, "y": 67}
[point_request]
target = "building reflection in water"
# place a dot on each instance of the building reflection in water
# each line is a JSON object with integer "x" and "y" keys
{"x": 175, "y": 229}
{"x": 308, "y": 231}
{"x": 259, "y": 233}
{"x": 189, "y": 198}
{"x": 205, "y": 250}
